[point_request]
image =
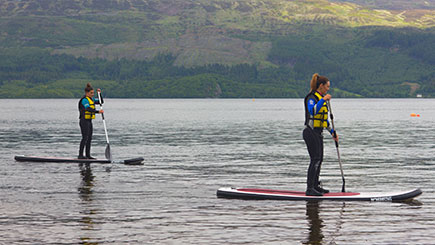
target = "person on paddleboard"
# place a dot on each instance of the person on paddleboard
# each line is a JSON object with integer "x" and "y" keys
{"x": 87, "y": 113}
{"x": 316, "y": 119}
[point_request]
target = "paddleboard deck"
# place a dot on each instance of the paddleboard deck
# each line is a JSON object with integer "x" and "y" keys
{"x": 132, "y": 161}
{"x": 266, "y": 194}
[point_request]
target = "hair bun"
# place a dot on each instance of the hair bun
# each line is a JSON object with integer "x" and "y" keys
{"x": 89, "y": 87}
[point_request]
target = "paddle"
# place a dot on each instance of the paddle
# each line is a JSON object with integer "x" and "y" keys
{"x": 336, "y": 146}
{"x": 108, "y": 154}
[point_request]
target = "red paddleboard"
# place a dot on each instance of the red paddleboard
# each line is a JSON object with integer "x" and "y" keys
{"x": 266, "y": 194}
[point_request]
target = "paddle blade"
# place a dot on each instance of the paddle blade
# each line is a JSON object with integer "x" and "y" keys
{"x": 107, "y": 153}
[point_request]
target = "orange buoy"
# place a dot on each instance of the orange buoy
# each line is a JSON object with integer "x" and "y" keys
{"x": 413, "y": 115}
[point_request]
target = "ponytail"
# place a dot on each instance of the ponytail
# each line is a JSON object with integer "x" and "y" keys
{"x": 313, "y": 83}
{"x": 88, "y": 88}
{"x": 316, "y": 80}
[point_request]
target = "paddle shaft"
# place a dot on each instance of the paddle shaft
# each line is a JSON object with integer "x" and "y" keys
{"x": 336, "y": 146}
{"x": 104, "y": 121}
{"x": 108, "y": 154}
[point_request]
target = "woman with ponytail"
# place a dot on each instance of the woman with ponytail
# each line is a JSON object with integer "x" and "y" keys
{"x": 316, "y": 119}
{"x": 87, "y": 113}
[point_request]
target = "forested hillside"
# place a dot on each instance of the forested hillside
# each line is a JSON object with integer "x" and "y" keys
{"x": 214, "y": 48}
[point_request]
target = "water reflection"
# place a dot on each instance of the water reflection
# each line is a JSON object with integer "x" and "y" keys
{"x": 86, "y": 195}
{"x": 315, "y": 224}
{"x": 85, "y": 188}
{"x": 338, "y": 225}
{"x": 315, "y": 235}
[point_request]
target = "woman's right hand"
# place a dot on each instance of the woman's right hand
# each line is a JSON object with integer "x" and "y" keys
{"x": 327, "y": 97}
{"x": 335, "y": 136}
{"x": 101, "y": 111}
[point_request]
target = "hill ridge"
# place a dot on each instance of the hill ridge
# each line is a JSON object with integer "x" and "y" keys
{"x": 319, "y": 11}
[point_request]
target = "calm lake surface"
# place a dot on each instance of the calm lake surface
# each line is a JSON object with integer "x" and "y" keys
{"x": 193, "y": 147}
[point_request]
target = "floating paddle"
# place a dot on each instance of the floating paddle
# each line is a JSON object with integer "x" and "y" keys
{"x": 336, "y": 146}
{"x": 107, "y": 153}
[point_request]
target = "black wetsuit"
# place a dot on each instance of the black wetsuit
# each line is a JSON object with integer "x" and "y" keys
{"x": 314, "y": 140}
{"x": 86, "y": 128}
{"x": 313, "y": 137}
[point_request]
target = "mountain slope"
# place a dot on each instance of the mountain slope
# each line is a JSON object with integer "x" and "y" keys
{"x": 140, "y": 29}
{"x": 286, "y": 41}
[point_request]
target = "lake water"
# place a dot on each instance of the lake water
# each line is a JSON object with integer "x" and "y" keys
{"x": 193, "y": 147}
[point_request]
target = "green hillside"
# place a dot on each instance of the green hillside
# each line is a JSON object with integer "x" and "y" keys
{"x": 217, "y": 48}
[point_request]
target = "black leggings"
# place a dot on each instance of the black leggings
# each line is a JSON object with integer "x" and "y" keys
{"x": 314, "y": 140}
{"x": 86, "y": 129}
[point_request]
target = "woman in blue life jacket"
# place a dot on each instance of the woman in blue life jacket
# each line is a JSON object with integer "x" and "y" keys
{"x": 316, "y": 119}
{"x": 87, "y": 113}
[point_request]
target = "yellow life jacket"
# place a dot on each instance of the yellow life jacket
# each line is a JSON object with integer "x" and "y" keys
{"x": 320, "y": 119}
{"x": 88, "y": 114}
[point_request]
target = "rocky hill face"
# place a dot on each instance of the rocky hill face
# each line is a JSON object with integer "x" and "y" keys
{"x": 73, "y": 7}
{"x": 338, "y": 12}
{"x": 394, "y": 4}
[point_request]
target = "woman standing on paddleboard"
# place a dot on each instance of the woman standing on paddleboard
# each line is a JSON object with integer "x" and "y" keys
{"x": 87, "y": 113}
{"x": 316, "y": 119}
